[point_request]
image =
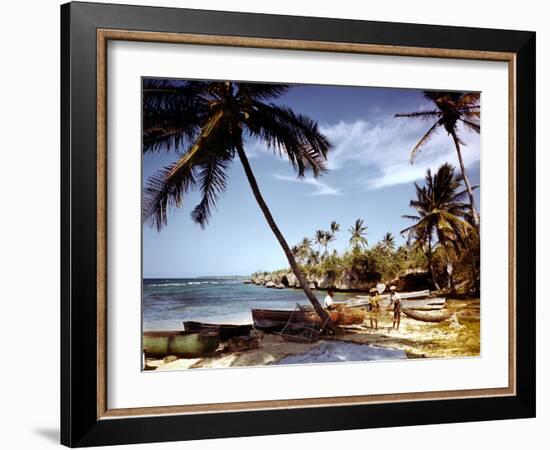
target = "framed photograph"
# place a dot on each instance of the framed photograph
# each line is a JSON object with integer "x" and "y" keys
{"x": 276, "y": 224}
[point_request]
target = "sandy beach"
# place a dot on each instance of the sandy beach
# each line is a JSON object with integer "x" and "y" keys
{"x": 414, "y": 339}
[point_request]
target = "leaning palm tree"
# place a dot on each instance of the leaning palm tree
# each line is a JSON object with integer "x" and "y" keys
{"x": 452, "y": 107}
{"x": 358, "y": 232}
{"x": 387, "y": 244}
{"x": 207, "y": 124}
{"x": 440, "y": 214}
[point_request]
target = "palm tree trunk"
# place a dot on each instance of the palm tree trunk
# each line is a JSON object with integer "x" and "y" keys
{"x": 466, "y": 181}
{"x": 430, "y": 263}
{"x": 323, "y": 314}
{"x": 449, "y": 268}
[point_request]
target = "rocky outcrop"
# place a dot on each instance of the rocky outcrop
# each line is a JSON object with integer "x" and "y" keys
{"x": 413, "y": 280}
{"x": 348, "y": 281}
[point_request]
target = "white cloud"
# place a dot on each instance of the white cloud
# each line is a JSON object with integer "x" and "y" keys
{"x": 383, "y": 148}
{"x": 320, "y": 188}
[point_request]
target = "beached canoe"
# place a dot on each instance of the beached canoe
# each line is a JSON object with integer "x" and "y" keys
{"x": 425, "y": 304}
{"x": 225, "y": 331}
{"x": 427, "y": 316}
{"x": 277, "y": 320}
{"x": 351, "y": 316}
{"x": 179, "y": 343}
{"x": 403, "y": 295}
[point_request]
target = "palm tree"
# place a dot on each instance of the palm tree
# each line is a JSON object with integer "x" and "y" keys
{"x": 331, "y": 234}
{"x": 452, "y": 107}
{"x": 303, "y": 250}
{"x": 387, "y": 244}
{"x": 358, "y": 232}
{"x": 320, "y": 239}
{"x": 440, "y": 214}
{"x": 207, "y": 123}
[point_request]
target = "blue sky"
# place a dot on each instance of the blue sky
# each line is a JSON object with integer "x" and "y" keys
{"x": 370, "y": 177}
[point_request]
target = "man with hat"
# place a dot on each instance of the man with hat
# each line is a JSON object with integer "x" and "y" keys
{"x": 395, "y": 302}
{"x": 374, "y": 304}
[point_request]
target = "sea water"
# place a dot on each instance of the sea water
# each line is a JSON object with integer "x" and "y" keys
{"x": 167, "y": 302}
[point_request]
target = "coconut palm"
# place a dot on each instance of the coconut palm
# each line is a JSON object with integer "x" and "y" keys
{"x": 358, "y": 232}
{"x": 207, "y": 124}
{"x": 387, "y": 244}
{"x": 302, "y": 251}
{"x": 334, "y": 227}
{"x": 320, "y": 238}
{"x": 451, "y": 108}
{"x": 440, "y": 214}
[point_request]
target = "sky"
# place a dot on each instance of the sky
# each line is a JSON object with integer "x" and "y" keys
{"x": 370, "y": 177}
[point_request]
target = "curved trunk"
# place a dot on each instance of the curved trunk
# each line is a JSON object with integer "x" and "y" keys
{"x": 466, "y": 181}
{"x": 451, "y": 282}
{"x": 323, "y": 314}
{"x": 430, "y": 263}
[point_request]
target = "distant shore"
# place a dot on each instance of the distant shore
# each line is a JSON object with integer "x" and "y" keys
{"x": 414, "y": 339}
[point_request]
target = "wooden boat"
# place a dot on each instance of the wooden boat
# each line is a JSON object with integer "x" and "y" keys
{"x": 426, "y": 304}
{"x": 351, "y": 316}
{"x": 225, "y": 331}
{"x": 403, "y": 295}
{"x": 427, "y": 316}
{"x": 277, "y": 320}
{"x": 179, "y": 343}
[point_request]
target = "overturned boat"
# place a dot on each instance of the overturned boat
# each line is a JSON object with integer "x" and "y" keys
{"x": 225, "y": 331}
{"x": 183, "y": 344}
{"x": 427, "y": 316}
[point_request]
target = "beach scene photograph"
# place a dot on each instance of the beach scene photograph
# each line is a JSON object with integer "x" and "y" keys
{"x": 290, "y": 224}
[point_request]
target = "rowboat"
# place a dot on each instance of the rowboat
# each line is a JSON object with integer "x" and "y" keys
{"x": 403, "y": 295}
{"x": 427, "y": 316}
{"x": 224, "y": 331}
{"x": 277, "y": 320}
{"x": 426, "y": 304}
{"x": 179, "y": 343}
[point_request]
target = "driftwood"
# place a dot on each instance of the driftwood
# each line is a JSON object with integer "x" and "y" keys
{"x": 427, "y": 316}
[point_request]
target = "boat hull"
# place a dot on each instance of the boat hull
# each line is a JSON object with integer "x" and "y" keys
{"x": 277, "y": 320}
{"x": 225, "y": 331}
{"x": 427, "y": 316}
{"x": 179, "y": 343}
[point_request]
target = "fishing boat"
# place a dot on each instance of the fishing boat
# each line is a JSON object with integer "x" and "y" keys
{"x": 403, "y": 295}
{"x": 225, "y": 331}
{"x": 278, "y": 320}
{"x": 426, "y": 304}
{"x": 184, "y": 344}
{"x": 427, "y": 316}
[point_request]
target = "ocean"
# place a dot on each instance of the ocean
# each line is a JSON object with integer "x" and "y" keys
{"x": 169, "y": 301}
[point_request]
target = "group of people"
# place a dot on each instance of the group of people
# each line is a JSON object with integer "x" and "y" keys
{"x": 373, "y": 306}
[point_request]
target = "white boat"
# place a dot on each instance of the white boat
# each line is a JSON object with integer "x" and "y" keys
{"x": 409, "y": 300}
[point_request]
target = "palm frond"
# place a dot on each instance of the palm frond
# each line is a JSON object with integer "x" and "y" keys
{"x": 471, "y": 125}
{"x": 423, "y": 140}
{"x": 164, "y": 192}
{"x": 261, "y": 91}
{"x": 212, "y": 178}
{"x": 420, "y": 114}
{"x": 293, "y": 135}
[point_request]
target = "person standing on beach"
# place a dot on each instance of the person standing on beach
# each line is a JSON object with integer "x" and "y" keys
{"x": 328, "y": 303}
{"x": 395, "y": 302}
{"x": 374, "y": 304}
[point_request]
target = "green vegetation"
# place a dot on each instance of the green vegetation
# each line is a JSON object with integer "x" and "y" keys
{"x": 442, "y": 242}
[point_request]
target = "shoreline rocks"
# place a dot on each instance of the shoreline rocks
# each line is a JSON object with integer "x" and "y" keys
{"x": 416, "y": 279}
